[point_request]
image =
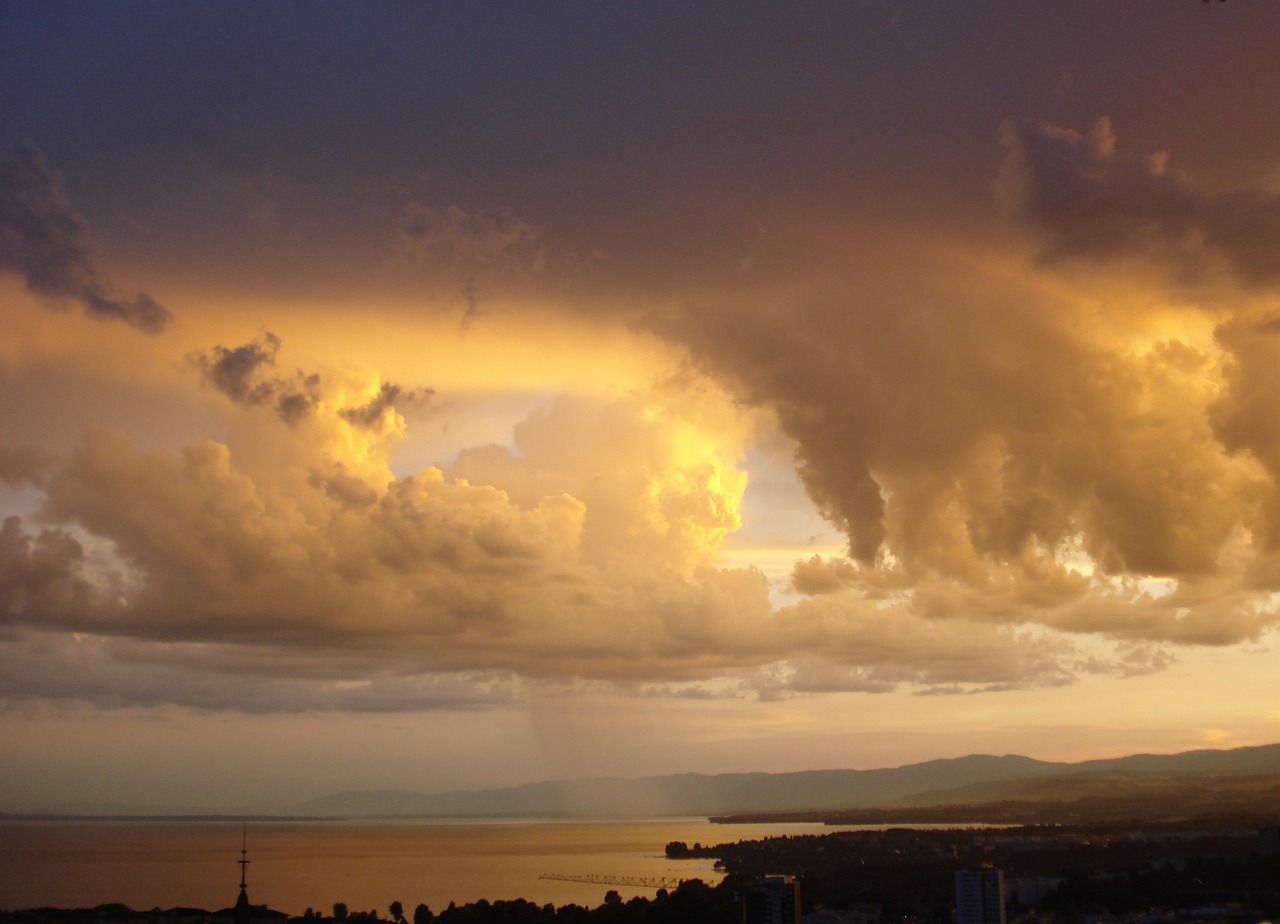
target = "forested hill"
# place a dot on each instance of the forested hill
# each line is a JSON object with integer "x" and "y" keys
{"x": 974, "y": 779}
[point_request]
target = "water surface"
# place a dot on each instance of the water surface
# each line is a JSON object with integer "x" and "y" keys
{"x": 299, "y": 865}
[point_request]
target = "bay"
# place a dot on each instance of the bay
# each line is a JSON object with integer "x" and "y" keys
{"x": 295, "y": 865}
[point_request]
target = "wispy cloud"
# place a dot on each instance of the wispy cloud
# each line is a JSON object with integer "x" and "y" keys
{"x": 48, "y": 244}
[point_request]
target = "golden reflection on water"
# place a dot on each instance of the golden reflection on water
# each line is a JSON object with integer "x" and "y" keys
{"x": 299, "y": 865}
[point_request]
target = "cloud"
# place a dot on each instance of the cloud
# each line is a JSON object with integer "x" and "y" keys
{"x": 953, "y": 439}
{"x": 46, "y": 242}
{"x": 234, "y": 371}
{"x": 115, "y": 673}
{"x": 371, "y": 415}
{"x": 1037, "y": 482}
{"x": 658, "y": 479}
{"x": 469, "y": 241}
{"x": 24, "y": 465}
{"x": 469, "y": 250}
{"x": 43, "y": 577}
{"x": 1019, "y": 449}
{"x": 310, "y": 577}
{"x": 817, "y": 575}
{"x": 238, "y": 372}
{"x": 243, "y": 374}
{"x": 1089, "y": 200}
{"x": 315, "y": 550}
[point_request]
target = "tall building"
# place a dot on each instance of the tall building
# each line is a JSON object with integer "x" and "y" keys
{"x": 772, "y": 900}
{"x": 980, "y": 896}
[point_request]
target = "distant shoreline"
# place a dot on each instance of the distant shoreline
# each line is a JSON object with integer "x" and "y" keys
{"x": 993, "y": 789}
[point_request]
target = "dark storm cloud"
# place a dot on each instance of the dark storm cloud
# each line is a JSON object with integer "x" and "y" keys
{"x": 660, "y": 135}
{"x": 240, "y": 374}
{"x": 46, "y": 242}
{"x": 1089, "y": 200}
{"x": 234, "y": 371}
{"x": 1003, "y": 452}
{"x": 388, "y": 396}
{"x": 244, "y": 374}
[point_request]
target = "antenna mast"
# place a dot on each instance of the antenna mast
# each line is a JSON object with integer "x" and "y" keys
{"x": 244, "y": 854}
{"x": 243, "y": 912}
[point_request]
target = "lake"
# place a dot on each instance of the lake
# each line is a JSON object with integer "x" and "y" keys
{"x": 296, "y": 865}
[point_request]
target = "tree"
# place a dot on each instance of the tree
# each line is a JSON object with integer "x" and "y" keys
{"x": 397, "y": 912}
{"x": 339, "y": 911}
{"x": 422, "y": 914}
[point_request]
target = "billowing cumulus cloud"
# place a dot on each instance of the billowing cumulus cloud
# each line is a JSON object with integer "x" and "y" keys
{"x": 445, "y": 573}
{"x": 48, "y": 244}
{"x": 315, "y": 579}
{"x": 986, "y": 438}
{"x": 1086, "y": 198}
{"x": 1038, "y": 455}
{"x": 656, "y": 480}
{"x": 314, "y": 550}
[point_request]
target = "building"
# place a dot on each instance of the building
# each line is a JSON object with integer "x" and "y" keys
{"x": 772, "y": 900}
{"x": 980, "y": 896}
{"x": 1269, "y": 841}
{"x": 1030, "y": 891}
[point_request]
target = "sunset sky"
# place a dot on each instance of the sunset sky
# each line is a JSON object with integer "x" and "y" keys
{"x": 449, "y": 395}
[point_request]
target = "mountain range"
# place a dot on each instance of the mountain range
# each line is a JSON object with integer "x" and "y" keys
{"x": 1227, "y": 777}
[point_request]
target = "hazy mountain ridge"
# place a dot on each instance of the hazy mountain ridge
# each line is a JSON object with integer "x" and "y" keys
{"x": 975, "y": 779}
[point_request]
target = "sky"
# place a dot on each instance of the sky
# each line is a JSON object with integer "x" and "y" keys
{"x": 454, "y": 395}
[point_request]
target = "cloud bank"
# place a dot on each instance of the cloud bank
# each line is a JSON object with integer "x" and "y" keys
{"x": 311, "y": 578}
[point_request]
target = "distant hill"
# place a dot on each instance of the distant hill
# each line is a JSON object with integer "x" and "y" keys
{"x": 974, "y": 780}
{"x": 1137, "y": 775}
